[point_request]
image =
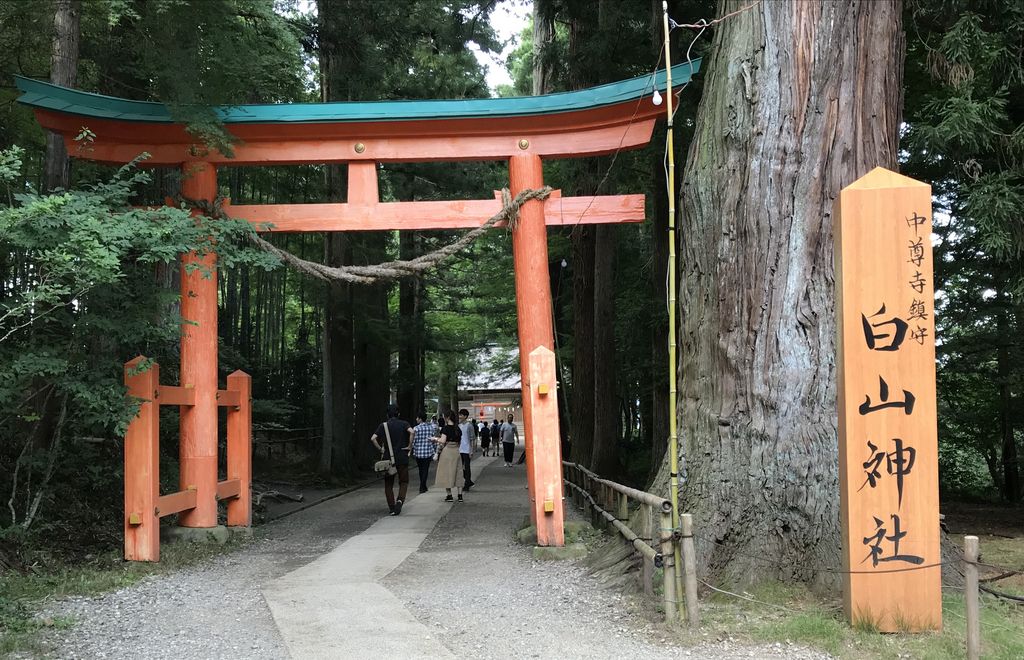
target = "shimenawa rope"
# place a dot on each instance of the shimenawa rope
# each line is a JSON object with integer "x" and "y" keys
{"x": 389, "y": 270}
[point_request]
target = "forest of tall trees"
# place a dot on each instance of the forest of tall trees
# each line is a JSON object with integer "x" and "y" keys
{"x": 87, "y": 281}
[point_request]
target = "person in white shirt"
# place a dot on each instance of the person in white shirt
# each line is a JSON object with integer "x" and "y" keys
{"x": 509, "y": 439}
{"x": 467, "y": 446}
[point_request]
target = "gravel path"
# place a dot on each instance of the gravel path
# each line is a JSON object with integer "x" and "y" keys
{"x": 215, "y": 609}
{"x": 478, "y": 592}
{"x": 485, "y": 596}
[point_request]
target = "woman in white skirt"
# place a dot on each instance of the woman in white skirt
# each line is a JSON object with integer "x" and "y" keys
{"x": 449, "y": 463}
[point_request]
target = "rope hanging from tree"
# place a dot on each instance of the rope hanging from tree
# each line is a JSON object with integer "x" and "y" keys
{"x": 389, "y": 270}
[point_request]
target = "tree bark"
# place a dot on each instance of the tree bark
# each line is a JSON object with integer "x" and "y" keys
{"x": 372, "y": 348}
{"x": 336, "y": 445}
{"x": 800, "y": 99}
{"x": 582, "y": 74}
{"x": 410, "y": 325}
{"x": 1010, "y": 460}
{"x": 543, "y": 36}
{"x": 605, "y": 457}
{"x": 339, "y": 448}
{"x": 583, "y": 344}
{"x": 63, "y": 71}
{"x": 659, "y": 415}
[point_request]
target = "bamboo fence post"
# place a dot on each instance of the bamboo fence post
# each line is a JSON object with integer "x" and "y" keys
{"x": 623, "y": 506}
{"x": 971, "y": 597}
{"x": 689, "y": 569}
{"x": 647, "y": 570}
{"x": 668, "y": 564}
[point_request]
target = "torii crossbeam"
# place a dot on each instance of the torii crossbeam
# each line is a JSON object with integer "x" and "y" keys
{"x": 522, "y": 130}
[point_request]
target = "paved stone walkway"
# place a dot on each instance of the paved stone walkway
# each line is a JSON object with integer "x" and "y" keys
{"x": 335, "y": 606}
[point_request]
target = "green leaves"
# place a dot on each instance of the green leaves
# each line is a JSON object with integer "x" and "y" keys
{"x": 85, "y": 298}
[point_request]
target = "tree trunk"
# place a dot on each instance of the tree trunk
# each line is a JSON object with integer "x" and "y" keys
{"x": 800, "y": 99}
{"x": 1010, "y": 460}
{"x": 372, "y": 347}
{"x": 605, "y": 457}
{"x": 543, "y": 37}
{"x": 63, "y": 71}
{"x": 583, "y": 73}
{"x": 336, "y": 445}
{"x": 583, "y": 344}
{"x": 410, "y": 336}
{"x": 659, "y": 415}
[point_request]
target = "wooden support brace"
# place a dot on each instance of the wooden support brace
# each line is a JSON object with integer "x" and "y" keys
{"x": 142, "y": 465}
{"x": 239, "y": 450}
{"x": 183, "y": 500}
{"x": 173, "y": 395}
{"x": 228, "y": 398}
{"x": 228, "y": 489}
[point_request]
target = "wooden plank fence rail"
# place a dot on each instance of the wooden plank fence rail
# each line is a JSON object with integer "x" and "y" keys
{"x": 283, "y": 439}
{"x": 600, "y": 497}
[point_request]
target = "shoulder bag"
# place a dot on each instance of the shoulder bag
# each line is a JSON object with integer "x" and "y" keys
{"x": 387, "y": 467}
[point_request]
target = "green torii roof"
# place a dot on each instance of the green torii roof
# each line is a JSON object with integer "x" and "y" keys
{"x": 72, "y": 101}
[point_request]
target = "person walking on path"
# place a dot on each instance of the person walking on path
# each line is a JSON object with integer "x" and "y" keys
{"x": 394, "y": 435}
{"x": 485, "y": 439}
{"x": 466, "y": 447}
{"x": 423, "y": 435}
{"x": 509, "y": 439}
{"x": 448, "y": 440}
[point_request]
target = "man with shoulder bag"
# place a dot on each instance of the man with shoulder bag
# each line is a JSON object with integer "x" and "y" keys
{"x": 393, "y": 439}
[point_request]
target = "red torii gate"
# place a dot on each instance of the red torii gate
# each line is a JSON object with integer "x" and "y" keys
{"x": 522, "y": 130}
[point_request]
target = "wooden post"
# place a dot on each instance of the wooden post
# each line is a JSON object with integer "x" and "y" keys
{"x": 971, "y": 597}
{"x": 647, "y": 566}
{"x": 548, "y": 513}
{"x": 239, "y": 452}
{"x": 888, "y": 456}
{"x": 623, "y": 507}
{"x": 142, "y": 465}
{"x": 533, "y": 290}
{"x": 668, "y": 565}
{"x": 198, "y": 445}
{"x": 689, "y": 568}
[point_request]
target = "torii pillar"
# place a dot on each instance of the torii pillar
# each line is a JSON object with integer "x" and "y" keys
{"x": 536, "y": 329}
{"x": 198, "y": 445}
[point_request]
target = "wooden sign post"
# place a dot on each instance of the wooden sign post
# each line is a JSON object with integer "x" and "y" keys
{"x": 888, "y": 455}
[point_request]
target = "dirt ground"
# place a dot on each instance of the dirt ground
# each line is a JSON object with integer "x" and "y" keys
{"x": 1000, "y": 532}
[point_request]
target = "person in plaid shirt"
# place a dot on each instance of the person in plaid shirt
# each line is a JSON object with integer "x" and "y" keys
{"x": 423, "y": 435}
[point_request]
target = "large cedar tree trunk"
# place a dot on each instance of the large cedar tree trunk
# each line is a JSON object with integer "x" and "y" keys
{"x": 410, "y": 383}
{"x": 800, "y": 99}
{"x": 336, "y": 444}
{"x": 372, "y": 348}
{"x": 605, "y": 458}
{"x": 63, "y": 71}
{"x": 1010, "y": 460}
{"x": 582, "y": 410}
{"x": 336, "y": 450}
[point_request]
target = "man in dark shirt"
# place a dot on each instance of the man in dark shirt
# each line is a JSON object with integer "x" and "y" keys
{"x": 401, "y": 440}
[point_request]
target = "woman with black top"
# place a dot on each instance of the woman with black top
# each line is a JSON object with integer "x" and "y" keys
{"x": 448, "y": 462}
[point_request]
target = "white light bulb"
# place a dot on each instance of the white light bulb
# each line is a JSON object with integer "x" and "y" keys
{"x": 657, "y": 97}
